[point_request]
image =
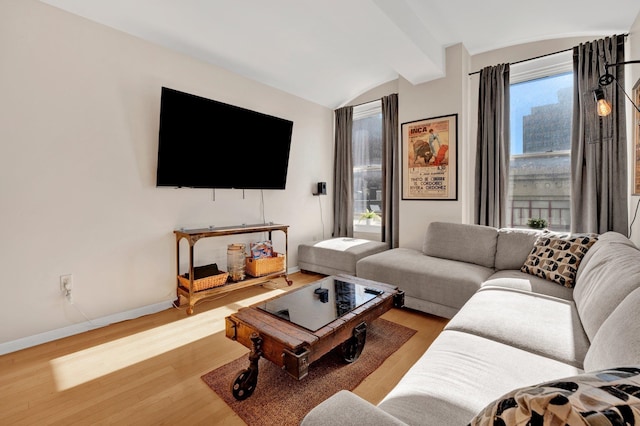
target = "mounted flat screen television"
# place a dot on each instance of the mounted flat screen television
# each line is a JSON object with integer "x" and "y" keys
{"x": 204, "y": 143}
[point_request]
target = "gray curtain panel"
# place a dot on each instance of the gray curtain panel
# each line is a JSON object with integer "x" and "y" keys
{"x": 492, "y": 152}
{"x": 598, "y": 144}
{"x": 343, "y": 174}
{"x": 390, "y": 171}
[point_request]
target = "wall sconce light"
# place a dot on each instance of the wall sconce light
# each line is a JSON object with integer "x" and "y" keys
{"x": 602, "y": 105}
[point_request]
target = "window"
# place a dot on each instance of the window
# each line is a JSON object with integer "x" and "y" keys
{"x": 367, "y": 169}
{"x": 540, "y": 166}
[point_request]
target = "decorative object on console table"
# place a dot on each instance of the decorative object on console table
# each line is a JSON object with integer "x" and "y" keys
{"x": 235, "y": 261}
{"x": 261, "y": 249}
{"x": 204, "y": 277}
{"x": 265, "y": 265}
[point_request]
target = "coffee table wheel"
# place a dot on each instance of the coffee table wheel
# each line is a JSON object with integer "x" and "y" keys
{"x": 352, "y": 347}
{"x": 246, "y": 380}
{"x": 244, "y": 384}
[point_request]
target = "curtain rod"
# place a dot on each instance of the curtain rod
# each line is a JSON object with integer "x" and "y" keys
{"x": 541, "y": 56}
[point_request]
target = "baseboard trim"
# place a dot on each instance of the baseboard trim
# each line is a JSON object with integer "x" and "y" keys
{"x": 49, "y": 336}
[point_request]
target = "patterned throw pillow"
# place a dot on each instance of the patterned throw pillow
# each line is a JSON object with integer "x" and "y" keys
{"x": 606, "y": 397}
{"x": 557, "y": 259}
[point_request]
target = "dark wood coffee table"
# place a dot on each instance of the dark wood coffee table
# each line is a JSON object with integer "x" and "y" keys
{"x": 296, "y": 328}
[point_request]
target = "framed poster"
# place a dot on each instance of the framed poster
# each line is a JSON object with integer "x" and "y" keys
{"x": 429, "y": 159}
{"x": 636, "y": 140}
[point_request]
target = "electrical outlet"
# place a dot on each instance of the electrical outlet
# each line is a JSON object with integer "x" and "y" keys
{"x": 66, "y": 284}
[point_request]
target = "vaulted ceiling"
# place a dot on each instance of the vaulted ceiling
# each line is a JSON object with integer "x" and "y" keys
{"x": 330, "y": 51}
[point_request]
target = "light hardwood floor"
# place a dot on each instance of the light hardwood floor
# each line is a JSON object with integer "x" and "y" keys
{"x": 147, "y": 371}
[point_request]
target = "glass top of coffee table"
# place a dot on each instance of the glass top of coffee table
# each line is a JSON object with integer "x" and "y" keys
{"x": 320, "y": 303}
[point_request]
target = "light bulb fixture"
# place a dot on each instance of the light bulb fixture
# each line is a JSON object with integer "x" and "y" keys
{"x": 603, "y": 107}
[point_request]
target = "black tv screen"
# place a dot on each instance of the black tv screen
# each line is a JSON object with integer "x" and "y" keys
{"x": 204, "y": 143}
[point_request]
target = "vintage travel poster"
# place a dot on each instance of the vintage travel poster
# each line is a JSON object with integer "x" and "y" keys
{"x": 429, "y": 159}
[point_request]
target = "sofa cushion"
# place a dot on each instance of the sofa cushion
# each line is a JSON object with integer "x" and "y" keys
{"x": 617, "y": 341}
{"x": 466, "y": 243}
{"x": 513, "y": 247}
{"x": 536, "y": 323}
{"x": 557, "y": 259}
{"x": 346, "y": 408}
{"x": 606, "y": 241}
{"x": 460, "y": 374}
{"x": 610, "y": 273}
{"x": 441, "y": 281}
{"x": 607, "y": 397}
{"x": 519, "y": 280}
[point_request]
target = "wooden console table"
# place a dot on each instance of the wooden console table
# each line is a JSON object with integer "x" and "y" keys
{"x": 194, "y": 235}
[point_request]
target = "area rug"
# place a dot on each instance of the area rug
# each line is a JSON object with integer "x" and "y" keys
{"x": 280, "y": 399}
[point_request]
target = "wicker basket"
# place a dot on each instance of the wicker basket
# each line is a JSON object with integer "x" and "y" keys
{"x": 206, "y": 282}
{"x": 265, "y": 265}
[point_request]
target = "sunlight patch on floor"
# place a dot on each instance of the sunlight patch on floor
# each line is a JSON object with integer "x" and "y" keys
{"x": 98, "y": 361}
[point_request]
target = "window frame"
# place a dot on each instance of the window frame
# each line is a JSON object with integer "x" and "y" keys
{"x": 543, "y": 67}
{"x": 362, "y": 111}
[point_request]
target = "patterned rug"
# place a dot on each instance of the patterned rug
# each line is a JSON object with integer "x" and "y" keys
{"x": 280, "y": 399}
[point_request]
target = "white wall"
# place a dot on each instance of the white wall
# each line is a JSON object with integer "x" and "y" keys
{"x": 79, "y": 109}
{"x": 444, "y": 96}
{"x": 376, "y": 93}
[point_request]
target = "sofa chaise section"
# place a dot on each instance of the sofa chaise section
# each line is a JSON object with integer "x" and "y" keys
{"x": 454, "y": 262}
{"x": 336, "y": 256}
{"x": 434, "y": 285}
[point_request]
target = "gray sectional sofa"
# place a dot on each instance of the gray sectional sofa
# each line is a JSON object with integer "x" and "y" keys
{"x": 510, "y": 331}
{"x": 455, "y": 261}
